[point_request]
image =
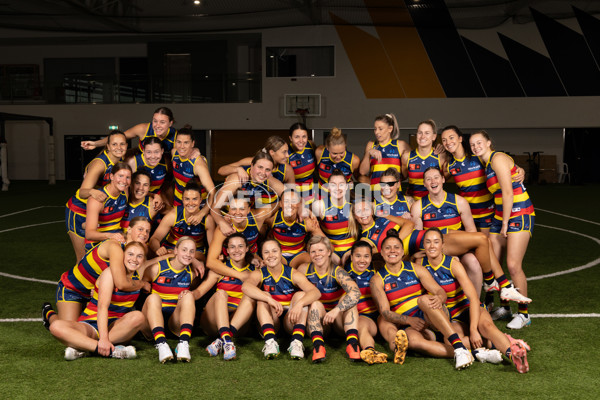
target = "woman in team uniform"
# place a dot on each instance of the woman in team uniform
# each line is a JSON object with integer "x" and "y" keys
{"x": 418, "y": 160}
{"x": 109, "y": 317}
{"x": 75, "y": 285}
{"x": 160, "y": 127}
{"x": 103, "y": 220}
{"x": 171, "y": 300}
{"x": 302, "y": 160}
{"x": 409, "y": 300}
{"x": 337, "y": 304}
{"x": 469, "y": 318}
{"x": 96, "y": 176}
{"x": 514, "y": 217}
{"x": 392, "y": 201}
{"x": 228, "y": 310}
{"x": 385, "y": 152}
{"x": 280, "y": 291}
{"x": 140, "y": 201}
{"x": 290, "y": 232}
{"x": 278, "y": 149}
{"x": 360, "y": 269}
{"x": 334, "y": 155}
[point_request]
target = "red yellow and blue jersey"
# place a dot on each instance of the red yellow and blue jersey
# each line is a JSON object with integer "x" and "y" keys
{"x": 402, "y": 289}
{"x": 417, "y": 164}
{"x": 260, "y": 194}
{"x": 457, "y": 300}
{"x": 469, "y": 176}
{"x": 414, "y": 242}
{"x": 250, "y": 232}
{"x": 304, "y": 164}
{"x": 330, "y": 289}
{"x": 281, "y": 289}
{"x": 279, "y": 172}
{"x": 169, "y": 283}
{"x": 104, "y": 179}
{"x": 398, "y": 207}
{"x": 521, "y": 202}
{"x": 445, "y": 216}
{"x": 182, "y": 227}
{"x": 233, "y": 286}
{"x": 82, "y": 277}
{"x": 168, "y": 142}
{"x": 77, "y": 204}
{"x": 366, "y": 305}
{"x": 120, "y": 303}
{"x": 183, "y": 172}
{"x": 141, "y": 209}
{"x": 375, "y": 233}
{"x": 334, "y": 225}
{"x": 327, "y": 166}
{"x": 290, "y": 236}
{"x": 390, "y": 158}
{"x": 158, "y": 173}
{"x": 113, "y": 210}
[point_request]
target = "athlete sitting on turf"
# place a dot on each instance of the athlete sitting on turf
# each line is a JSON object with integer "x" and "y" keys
{"x": 337, "y": 305}
{"x": 109, "y": 317}
{"x": 285, "y": 293}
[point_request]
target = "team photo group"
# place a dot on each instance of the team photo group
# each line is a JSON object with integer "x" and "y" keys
{"x": 299, "y": 242}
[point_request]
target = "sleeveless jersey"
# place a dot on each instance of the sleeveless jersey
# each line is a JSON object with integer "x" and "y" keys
{"x": 330, "y": 289}
{"x": 457, "y": 300}
{"x": 77, "y": 204}
{"x": 366, "y": 305}
{"x": 233, "y": 286}
{"x": 326, "y": 167}
{"x": 395, "y": 209}
{"x": 82, "y": 277}
{"x": 469, "y": 176}
{"x": 282, "y": 289}
{"x": 260, "y": 194}
{"x": 168, "y": 283}
{"x": 250, "y": 232}
{"x": 292, "y": 237}
{"x": 158, "y": 173}
{"x": 141, "y": 209}
{"x": 168, "y": 142}
{"x": 390, "y": 158}
{"x": 113, "y": 209}
{"x": 335, "y": 226}
{"x": 182, "y": 228}
{"x": 279, "y": 172}
{"x": 403, "y": 289}
{"x": 378, "y": 231}
{"x": 183, "y": 172}
{"x": 304, "y": 164}
{"x": 521, "y": 203}
{"x": 417, "y": 164}
{"x": 120, "y": 303}
{"x": 445, "y": 216}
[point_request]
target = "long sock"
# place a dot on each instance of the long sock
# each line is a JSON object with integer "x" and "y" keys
{"x": 225, "y": 334}
{"x": 185, "y": 332}
{"x": 317, "y": 339}
{"x": 456, "y": 342}
{"x": 505, "y": 304}
{"x": 298, "y": 332}
{"x": 159, "y": 335}
{"x": 352, "y": 336}
{"x": 489, "y": 298}
{"x": 524, "y": 309}
{"x": 233, "y": 330}
{"x": 502, "y": 281}
{"x": 488, "y": 277}
{"x": 268, "y": 331}
{"x": 50, "y": 313}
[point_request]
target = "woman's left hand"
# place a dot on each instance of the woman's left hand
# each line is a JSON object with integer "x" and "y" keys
{"x": 105, "y": 347}
{"x": 330, "y": 317}
{"x": 476, "y": 340}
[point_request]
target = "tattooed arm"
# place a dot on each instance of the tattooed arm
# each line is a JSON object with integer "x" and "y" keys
{"x": 349, "y": 300}
{"x": 384, "y": 307}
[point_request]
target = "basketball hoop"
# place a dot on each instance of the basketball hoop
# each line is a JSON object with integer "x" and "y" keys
{"x": 302, "y": 113}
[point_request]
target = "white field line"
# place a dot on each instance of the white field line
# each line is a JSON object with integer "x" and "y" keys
{"x": 29, "y": 209}
{"x": 570, "y": 270}
{"x": 568, "y": 216}
{"x": 24, "y": 278}
{"x": 31, "y": 226}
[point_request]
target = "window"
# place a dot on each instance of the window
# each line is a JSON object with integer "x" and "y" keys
{"x": 300, "y": 61}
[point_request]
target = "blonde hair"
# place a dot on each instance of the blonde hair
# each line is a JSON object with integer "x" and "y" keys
{"x": 429, "y": 122}
{"x": 485, "y": 135}
{"x": 335, "y": 137}
{"x": 327, "y": 243}
{"x": 390, "y": 119}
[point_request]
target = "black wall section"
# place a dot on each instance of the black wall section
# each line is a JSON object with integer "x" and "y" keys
{"x": 590, "y": 27}
{"x": 445, "y": 49}
{"x": 495, "y": 73}
{"x": 570, "y": 55}
{"x": 534, "y": 71}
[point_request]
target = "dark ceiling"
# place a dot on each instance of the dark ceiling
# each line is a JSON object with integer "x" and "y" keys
{"x": 183, "y": 16}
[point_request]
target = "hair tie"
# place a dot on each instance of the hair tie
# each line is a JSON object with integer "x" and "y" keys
{"x": 263, "y": 150}
{"x": 389, "y": 116}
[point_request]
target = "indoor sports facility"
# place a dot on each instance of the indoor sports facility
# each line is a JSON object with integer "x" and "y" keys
{"x": 299, "y": 198}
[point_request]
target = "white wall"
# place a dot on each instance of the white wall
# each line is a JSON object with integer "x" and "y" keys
{"x": 517, "y": 122}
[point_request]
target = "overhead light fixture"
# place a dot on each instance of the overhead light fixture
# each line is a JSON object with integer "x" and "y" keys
{"x": 197, "y": 2}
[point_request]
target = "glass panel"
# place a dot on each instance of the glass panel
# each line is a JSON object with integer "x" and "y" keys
{"x": 300, "y": 61}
